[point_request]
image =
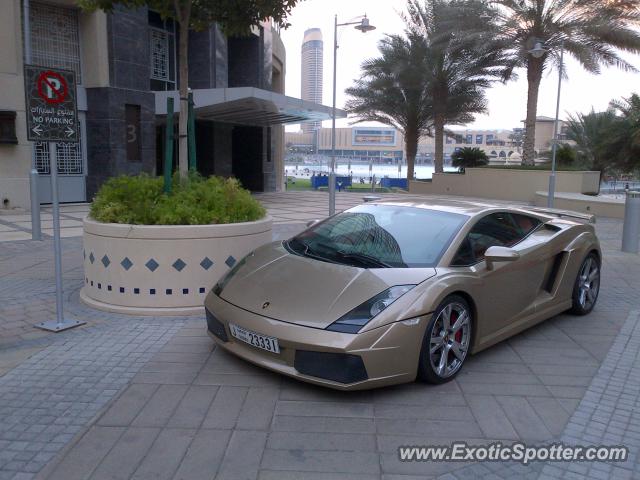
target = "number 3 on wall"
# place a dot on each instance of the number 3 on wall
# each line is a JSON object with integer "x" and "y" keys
{"x": 132, "y": 135}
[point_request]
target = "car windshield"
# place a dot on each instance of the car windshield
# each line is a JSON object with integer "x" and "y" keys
{"x": 379, "y": 236}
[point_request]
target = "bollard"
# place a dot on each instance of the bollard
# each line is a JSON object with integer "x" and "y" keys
{"x": 36, "y": 233}
{"x": 631, "y": 227}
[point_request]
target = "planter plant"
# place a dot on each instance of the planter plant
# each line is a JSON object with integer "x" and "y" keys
{"x": 148, "y": 252}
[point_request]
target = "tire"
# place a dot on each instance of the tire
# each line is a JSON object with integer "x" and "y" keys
{"x": 586, "y": 286}
{"x": 440, "y": 358}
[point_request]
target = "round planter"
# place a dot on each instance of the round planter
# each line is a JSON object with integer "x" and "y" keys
{"x": 162, "y": 269}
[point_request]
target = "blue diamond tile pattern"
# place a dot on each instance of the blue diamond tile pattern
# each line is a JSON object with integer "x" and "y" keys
{"x": 105, "y": 261}
{"x": 126, "y": 263}
{"x": 230, "y": 261}
{"x": 179, "y": 265}
{"x": 152, "y": 265}
{"x": 92, "y": 258}
{"x": 206, "y": 263}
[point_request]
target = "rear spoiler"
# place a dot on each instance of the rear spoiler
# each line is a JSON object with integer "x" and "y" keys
{"x": 589, "y": 218}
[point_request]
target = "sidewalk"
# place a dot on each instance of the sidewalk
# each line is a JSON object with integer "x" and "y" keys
{"x": 15, "y": 227}
{"x": 128, "y": 397}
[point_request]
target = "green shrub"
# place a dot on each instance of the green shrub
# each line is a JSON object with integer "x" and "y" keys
{"x": 468, "y": 157}
{"x": 140, "y": 200}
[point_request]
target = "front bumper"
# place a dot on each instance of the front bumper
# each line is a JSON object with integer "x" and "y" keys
{"x": 382, "y": 356}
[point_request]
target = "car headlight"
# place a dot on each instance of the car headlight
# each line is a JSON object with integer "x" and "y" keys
{"x": 357, "y": 318}
{"x": 226, "y": 278}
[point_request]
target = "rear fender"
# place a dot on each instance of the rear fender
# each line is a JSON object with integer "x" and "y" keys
{"x": 576, "y": 251}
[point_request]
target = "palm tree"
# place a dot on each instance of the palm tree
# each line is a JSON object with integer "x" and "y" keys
{"x": 469, "y": 157}
{"x": 459, "y": 67}
{"x": 624, "y": 140}
{"x": 392, "y": 90}
{"x": 591, "y": 31}
{"x": 590, "y": 132}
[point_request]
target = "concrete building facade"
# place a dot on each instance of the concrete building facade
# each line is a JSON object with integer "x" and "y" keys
{"x": 312, "y": 70}
{"x": 126, "y": 65}
{"x": 386, "y": 145}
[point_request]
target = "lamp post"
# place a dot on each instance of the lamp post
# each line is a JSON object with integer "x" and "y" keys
{"x": 364, "y": 26}
{"x": 538, "y": 51}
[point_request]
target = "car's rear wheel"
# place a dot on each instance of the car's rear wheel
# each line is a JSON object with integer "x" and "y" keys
{"x": 587, "y": 285}
{"x": 446, "y": 341}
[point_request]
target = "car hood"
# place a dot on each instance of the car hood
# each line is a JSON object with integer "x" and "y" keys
{"x": 301, "y": 290}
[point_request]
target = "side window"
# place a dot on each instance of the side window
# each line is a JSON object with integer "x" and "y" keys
{"x": 464, "y": 257}
{"x": 498, "y": 229}
{"x": 525, "y": 223}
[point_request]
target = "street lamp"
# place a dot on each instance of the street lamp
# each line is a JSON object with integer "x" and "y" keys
{"x": 364, "y": 26}
{"x": 538, "y": 51}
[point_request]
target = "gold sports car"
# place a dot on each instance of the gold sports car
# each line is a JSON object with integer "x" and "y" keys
{"x": 386, "y": 292}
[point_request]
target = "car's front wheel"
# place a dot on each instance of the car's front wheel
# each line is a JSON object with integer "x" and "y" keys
{"x": 587, "y": 286}
{"x": 446, "y": 341}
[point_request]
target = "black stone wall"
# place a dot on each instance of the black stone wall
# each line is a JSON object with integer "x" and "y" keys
{"x": 107, "y": 134}
{"x": 129, "y": 84}
{"x": 245, "y": 62}
{"x": 208, "y": 59}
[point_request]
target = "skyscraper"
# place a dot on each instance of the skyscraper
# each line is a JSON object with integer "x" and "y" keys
{"x": 312, "y": 72}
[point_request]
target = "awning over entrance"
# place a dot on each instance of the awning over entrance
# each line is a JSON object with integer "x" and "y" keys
{"x": 249, "y": 106}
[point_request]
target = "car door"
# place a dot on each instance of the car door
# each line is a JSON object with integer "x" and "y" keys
{"x": 507, "y": 292}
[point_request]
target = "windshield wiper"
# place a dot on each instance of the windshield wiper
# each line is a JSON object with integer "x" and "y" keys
{"x": 307, "y": 251}
{"x": 361, "y": 258}
{"x": 364, "y": 259}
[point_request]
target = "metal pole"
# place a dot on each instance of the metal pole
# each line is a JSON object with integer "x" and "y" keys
{"x": 332, "y": 172}
{"x": 27, "y": 31}
{"x": 60, "y": 323}
{"x": 191, "y": 132}
{"x": 552, "y": 177}
{"x": 168, "y": 147}
{"x": 33, "y": 176}
{"x": 57, "y": 250}
{"x": 631, "y": 227}
{"x": 36, "y": 233}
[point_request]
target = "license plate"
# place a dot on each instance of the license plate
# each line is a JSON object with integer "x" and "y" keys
{"x": 270, "y": 344}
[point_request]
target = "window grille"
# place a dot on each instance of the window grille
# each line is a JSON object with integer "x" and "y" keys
{"x": 55, "y": 38}
{"x": 159, "y": 54}
{"x": 69, "y": 157}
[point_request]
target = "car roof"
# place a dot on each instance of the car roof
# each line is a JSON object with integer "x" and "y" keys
{"x": 463, "y": 207}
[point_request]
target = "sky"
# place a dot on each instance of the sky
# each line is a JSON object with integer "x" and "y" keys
{"x": 507, "y": 103}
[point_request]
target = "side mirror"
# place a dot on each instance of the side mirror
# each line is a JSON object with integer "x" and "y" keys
{"x": 500, "y": 254}
{"x": 311, "y": 223}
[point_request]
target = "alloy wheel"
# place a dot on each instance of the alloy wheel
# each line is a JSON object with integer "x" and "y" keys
{"x": 588, "y": 283}
{"x": 450, "y": 339}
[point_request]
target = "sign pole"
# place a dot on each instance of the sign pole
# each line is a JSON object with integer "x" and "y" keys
{"x": 57, "y": 250}
{"x": 52, "y": 116}
{"x": 60, "y": 323}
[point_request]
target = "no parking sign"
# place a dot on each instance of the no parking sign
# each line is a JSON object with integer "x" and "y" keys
{"x": 51, "y": 105}
{"x": 52, "y": 117}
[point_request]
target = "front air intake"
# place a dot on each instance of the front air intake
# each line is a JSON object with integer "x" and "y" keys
{"x": 338, "y": 367}
{"x": 216, "y": 327}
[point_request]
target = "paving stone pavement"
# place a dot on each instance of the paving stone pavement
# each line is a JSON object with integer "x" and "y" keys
{"x": 53, "y": 395}
{"x": 609, "y": 412}
{"x": 153, "y": 398}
